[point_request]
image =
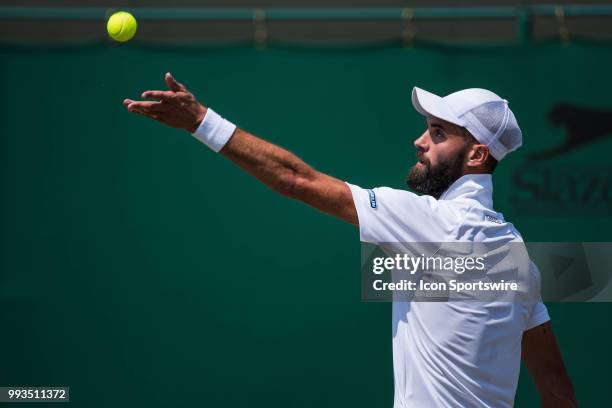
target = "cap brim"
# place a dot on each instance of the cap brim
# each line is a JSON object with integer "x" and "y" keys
{"x": 428, "y": 104}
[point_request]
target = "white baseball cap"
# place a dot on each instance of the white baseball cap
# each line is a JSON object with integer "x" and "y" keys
{"x": 484, "y": 114}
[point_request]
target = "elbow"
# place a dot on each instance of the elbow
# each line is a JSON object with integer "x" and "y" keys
{"x": 294, "y": 185}
{"x": 567, "y": 393}
{"x": 558, "y": 391}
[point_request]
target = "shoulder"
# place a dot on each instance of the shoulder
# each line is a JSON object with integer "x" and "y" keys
{"x": 393, "y": 215}
{"x": 402, "y": 201}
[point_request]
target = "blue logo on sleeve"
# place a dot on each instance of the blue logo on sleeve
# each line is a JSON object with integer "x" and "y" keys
{"x": 372, "y": 198}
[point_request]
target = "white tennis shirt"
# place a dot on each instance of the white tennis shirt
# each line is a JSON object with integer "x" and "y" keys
{"x": 451, "y": 354}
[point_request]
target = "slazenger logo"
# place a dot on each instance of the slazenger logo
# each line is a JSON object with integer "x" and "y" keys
{"x": 582, "y": 126}
{"x": 372, "y": 198}
{"x": 544, "y": 188}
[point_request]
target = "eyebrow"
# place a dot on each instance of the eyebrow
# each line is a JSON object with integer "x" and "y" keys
{"x": 437, "y": 125}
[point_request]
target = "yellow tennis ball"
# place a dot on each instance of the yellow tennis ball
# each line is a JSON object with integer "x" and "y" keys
{"x": 121, "y": 26}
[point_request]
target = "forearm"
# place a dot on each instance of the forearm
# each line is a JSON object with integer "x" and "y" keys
{"x": 287, "y": 174}
{"x": 276, "y": 167}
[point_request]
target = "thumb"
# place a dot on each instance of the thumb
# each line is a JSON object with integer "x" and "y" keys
{"x": 173, "y": 85}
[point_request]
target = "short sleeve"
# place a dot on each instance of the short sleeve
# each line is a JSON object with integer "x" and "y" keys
{"x": 539, "y": 315}
{"x": 390, "y": 215}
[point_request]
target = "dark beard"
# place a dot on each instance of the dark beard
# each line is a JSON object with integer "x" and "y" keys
{"x": 434, "y": 181}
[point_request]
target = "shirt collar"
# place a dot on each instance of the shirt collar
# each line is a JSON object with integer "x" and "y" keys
{"x": 477, "y": 187}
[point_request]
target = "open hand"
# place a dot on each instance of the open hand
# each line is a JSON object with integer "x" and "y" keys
{"x": 177, "y": 107}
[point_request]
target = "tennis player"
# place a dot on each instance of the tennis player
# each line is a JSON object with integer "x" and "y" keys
{"x": 445, "y": 354}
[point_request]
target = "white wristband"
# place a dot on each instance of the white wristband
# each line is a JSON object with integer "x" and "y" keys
{"x": 214, "y": 131}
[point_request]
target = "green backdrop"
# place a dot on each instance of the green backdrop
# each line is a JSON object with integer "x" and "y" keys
{"x": 141, "y": 269}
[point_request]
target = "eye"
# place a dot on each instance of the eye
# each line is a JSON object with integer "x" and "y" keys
{"x": 438, "y": 134}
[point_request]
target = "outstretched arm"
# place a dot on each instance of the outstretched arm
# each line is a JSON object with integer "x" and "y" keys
{"x": 542, "y": 357}
{"x": 287, "y": 174}
{"x": 276, "y": 167}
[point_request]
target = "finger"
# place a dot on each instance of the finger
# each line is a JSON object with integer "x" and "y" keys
{"x": 148, "y": 106}
{"x": 138, "y": 111}
{"x": 160, "y": 95}
{"x": 172, "y": 84}
{"x": 145, "y": 113}
{"x": 126, "y": 102}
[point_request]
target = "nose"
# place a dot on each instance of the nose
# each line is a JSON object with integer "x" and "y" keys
{"x": 421, "y": 143}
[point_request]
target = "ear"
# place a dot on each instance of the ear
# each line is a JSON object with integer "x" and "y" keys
{"x": 477, "y": 155}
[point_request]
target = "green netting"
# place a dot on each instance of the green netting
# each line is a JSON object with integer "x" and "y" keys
{"x": 138, "y": 268}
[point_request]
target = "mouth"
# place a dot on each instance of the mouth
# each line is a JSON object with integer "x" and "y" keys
{"x": 421, "y": 160}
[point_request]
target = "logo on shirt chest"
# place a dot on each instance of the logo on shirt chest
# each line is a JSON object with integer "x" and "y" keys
{"x": 492, "y": 219}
